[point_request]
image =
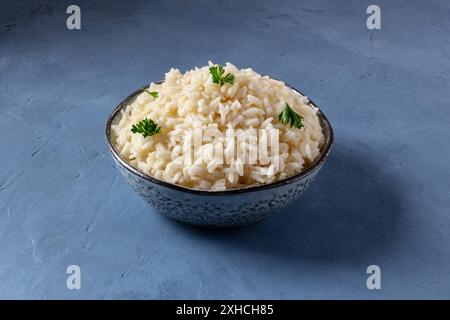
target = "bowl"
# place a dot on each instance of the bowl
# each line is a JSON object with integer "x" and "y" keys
{"x": 218, "y": 209}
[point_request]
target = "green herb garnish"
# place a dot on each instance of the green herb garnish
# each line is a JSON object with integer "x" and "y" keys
{"x": 154, "y": 94}
{"x": 147, "y": 127}
{"x": 218, "y": 77}
{"x": 288, "y": 115}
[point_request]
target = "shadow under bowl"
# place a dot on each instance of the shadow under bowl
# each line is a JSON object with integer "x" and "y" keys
{"x": 218, "y": 209}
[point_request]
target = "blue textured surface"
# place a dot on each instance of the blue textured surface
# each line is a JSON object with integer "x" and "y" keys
{"x": 383, "y": 197}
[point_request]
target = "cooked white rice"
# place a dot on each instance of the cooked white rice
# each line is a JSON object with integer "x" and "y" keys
{"x": 192, "y": 100}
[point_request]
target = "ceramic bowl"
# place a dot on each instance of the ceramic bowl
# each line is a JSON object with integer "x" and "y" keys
{"x": 218, "y": 209}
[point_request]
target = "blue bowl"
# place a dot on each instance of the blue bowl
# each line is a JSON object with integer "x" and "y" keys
{"x": 218, "y": 209}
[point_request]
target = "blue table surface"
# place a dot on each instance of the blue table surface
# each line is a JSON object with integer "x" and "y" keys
{"x": 381, "y": 199}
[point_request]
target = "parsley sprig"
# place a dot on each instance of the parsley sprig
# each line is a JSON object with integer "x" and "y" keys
{"x": 217, "y": 73}
{"x": 154, "y": 94}
{"x": 288, "y": 115}
{"x": 147, "y": 127}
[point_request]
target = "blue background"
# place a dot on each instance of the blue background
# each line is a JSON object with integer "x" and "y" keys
{"x": 382, "y": 198}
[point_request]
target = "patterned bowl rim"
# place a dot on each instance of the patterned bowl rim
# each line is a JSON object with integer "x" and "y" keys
{"x": 326, "y": 148}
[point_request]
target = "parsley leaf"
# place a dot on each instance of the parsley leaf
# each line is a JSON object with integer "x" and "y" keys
{"x": 147, "y": 127}
{"x": 218, "y": 77}
{"x": 288, "y": 115}
{"x": 154, "y": 94}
